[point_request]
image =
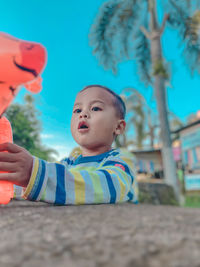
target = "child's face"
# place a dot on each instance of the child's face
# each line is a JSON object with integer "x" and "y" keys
{"x": 94, "y": 122}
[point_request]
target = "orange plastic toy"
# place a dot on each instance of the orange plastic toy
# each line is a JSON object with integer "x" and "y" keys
{"x": 6, "y": 188}
{"x": 21, "y": 63}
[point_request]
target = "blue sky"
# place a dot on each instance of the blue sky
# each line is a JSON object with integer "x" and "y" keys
{"x": 63, "y": 27}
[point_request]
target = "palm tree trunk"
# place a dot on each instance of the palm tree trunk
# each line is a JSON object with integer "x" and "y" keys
{"x": 160, "y": 94}
{"x": 167, "y": 153}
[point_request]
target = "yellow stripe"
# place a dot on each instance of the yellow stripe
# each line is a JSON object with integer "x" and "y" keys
{"x": 98, "y": 191}
{"x": 122, "y": 185}
{"x": 33, "y": 177}
{"x": 79, "y": 185}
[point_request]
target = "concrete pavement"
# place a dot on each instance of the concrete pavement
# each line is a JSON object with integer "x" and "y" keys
{"x": 38, "y": 234}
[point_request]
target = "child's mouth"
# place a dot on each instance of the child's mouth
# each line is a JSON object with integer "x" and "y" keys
{"x": 83, "y": 126}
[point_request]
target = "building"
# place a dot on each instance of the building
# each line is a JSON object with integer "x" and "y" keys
{"x": 186, "y": 151}
{"x": 189, "y": 137}
{"x": 149, "y": 161}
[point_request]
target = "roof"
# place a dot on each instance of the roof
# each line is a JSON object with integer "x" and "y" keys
{"x": 186, "y": 127}
{"x": 146, "y": 150}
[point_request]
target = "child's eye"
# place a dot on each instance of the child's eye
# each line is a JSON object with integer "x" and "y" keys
{"x": 96, "y": 109}
{"x": 78, "y": 110}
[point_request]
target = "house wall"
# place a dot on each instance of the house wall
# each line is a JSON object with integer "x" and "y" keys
{"x": 149, "y": 162}
{"x": 190, "y": 147}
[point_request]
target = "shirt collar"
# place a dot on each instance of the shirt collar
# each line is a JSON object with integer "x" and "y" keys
{"x": 96, "y": 158}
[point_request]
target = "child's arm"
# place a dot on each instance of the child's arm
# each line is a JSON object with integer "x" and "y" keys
{"x": 111, "y": 182}
{"x": 56, "y": 183}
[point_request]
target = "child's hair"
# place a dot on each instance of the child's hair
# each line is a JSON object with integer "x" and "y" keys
{"x": 118, "y": 103}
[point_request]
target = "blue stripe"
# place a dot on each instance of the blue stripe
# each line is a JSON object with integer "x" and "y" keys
{"x": 89, "y": 188}
{"x": 60, "y": 187}
{"x": 130, "y": 195}
{"x": 194, "y": 155}
{"x": 110, "y": 186}
{"x": 151, "y": 166}
{"x": 112, "y": 163}
{"x": 68, "y": 161}
{"x": 126, "y": 183}
{"x": 40, "y": 182}
{"x": 114, "y": 154}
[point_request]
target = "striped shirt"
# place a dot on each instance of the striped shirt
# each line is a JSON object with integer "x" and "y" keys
{"x": 105, "y": 178}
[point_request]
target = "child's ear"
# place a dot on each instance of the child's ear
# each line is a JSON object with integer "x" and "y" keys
{"x": 121, "y": 125}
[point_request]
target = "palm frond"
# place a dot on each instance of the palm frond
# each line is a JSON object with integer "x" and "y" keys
{"x": 128, "y": 17}
{"x": 188, "y": 26}
{"x": 112, "y": 29}
{"x": 178, "y": 11}
{"x": 143, "y": 58}
{"x": 102, "y": 45}
{"x": 142, "y": 53}
{"x": 192, "y": 40}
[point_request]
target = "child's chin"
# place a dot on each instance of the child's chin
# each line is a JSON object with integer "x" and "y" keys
{"x": 87, "y": 145}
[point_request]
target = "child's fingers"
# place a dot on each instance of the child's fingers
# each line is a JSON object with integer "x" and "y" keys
{"x": 7, "y": 166}
{"x": 14, "y": 178}
{"x": 10, "y": 147}
{"x": 7, "y": 157}
{"x": 8, "y": 176}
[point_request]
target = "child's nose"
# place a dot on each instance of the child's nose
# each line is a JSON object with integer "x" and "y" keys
{"x": 84, "y": 114}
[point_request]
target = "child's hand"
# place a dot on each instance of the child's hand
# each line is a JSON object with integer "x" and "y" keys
{"x": 17, "y": 162}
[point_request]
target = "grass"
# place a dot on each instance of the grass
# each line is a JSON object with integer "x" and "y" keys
{"x": 192, "y": 201}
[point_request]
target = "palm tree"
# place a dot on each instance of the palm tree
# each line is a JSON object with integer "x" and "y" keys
{"x": 136, "y": 110}
{"x": 153, "y": 128}
{"x": 144, "y": 120}
{"x": 129, "y": 29}
{"x": 139, "y": 116}
{"x": 136, "y": 113}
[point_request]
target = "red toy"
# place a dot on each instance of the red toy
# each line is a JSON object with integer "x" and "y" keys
{"x": 21, "y": 64}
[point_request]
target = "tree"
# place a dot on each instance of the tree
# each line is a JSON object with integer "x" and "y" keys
{"x": 142, "y": 117}
{"x": 138, "y": 113}
{"x": 26, "y": 128}
{"x": 135, "y": 105}
{"x": 136, "y": 108}
{"x": 129, "y": 29}
{"x": 144, "y": 120}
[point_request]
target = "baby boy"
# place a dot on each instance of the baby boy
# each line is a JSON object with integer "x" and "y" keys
{"x": 99, "y": 175}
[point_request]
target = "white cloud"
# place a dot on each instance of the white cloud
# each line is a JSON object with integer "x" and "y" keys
{"x": 47, "y": 136}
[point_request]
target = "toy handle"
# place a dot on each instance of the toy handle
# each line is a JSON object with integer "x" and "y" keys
{"x": 6, "y": 188}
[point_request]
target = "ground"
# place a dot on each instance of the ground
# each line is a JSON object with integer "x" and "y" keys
{"x": 38, "y": 234}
